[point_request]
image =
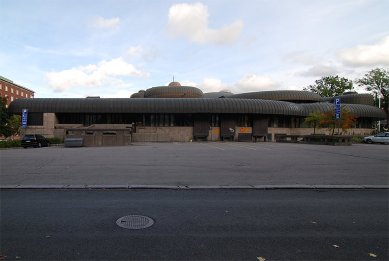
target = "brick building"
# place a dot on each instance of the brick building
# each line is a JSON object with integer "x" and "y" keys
{"x": 12, "y": 91}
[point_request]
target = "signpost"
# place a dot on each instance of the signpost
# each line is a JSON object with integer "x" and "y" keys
{"x": 24, "y": 118}
{"x": 337, "y": 108}
{"x": 337, "y": 111}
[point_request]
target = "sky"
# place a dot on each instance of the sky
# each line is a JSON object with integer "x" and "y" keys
{"x": 113, "y": 48}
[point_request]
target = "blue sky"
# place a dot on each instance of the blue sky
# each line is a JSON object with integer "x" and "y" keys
{"x": 113, "y": 48}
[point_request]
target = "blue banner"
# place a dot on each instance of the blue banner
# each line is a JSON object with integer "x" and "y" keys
{"x": 337, "y": 108}
{"x": 24, "y": 118}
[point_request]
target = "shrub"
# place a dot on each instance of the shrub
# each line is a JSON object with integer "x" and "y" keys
{"x": 10, "y": 143}
{"x": 357, "y": 139}
{"x": 55, "y": 140}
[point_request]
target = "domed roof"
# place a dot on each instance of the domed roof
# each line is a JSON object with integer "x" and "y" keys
{"x": 282, "y": 95}
{"x": 174, "y": 84}
{"x": 140, "y": 94}
{"x": 173, "y": 92}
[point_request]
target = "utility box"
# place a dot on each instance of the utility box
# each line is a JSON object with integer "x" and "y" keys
{"x": 73, "y": 142}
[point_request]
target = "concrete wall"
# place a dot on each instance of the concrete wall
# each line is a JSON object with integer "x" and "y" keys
{"x": 46, "y": 130}
{"x": 51, "y": 128}
{"x": 101, "y": 137}
{"x": 163, "y": 134}
{"x": 308, "y": 131}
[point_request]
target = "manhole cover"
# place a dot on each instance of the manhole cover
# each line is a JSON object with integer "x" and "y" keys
{"x": 134, "y": 222}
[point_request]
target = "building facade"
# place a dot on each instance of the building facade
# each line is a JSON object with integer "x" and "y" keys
{"x": 184, "y": 113}
{"x": 12, "y": 91}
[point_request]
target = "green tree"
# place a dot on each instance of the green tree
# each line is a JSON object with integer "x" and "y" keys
{"x": 377, "y": 81}
{"x": 14, "y": 124}
{"x": 330, "y": 86}
{"x": 4, "y": 128}
{"x": 9, "y": 125}
{"x": 314, "y": 119}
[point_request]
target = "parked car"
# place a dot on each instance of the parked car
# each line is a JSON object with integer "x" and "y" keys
{"x": 34, "y": 140}
{"x": 378, "y": 138}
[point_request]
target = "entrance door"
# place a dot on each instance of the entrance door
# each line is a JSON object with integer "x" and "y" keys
{"x": 201, "y": 127}
{"x": 260, "y": 128}
{"x": 227, "y": 127}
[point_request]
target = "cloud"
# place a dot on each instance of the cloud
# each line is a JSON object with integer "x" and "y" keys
{"x": 191, "y": 21}
{"x": 301, "y": 58}
{"x": 252, "y": 82}
{"x": 146, "y": 54}
{"x": 248, "y": 83}
{"x": 92, "y": 75}
{"x": 367, "y": 55}
{"x": 105, "y": 23}
{"x": 212, "y": 85}
{"x": 319, "y": 71}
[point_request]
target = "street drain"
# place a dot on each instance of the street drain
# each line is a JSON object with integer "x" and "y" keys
{"x": 134, "y": 222}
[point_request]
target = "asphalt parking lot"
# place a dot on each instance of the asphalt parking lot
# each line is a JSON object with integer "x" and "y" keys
{"x": 197, "y": 164}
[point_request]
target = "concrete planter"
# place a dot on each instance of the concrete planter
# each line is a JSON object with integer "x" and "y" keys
{"x": 328, "y": 140}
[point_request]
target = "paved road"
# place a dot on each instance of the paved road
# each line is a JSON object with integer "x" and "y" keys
{"x": 198, "y": 164}
{"x": 195, "y": 225}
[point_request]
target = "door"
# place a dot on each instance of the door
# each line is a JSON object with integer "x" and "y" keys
{"x": 227, "y": 127}
{"x": 201, "y": 126}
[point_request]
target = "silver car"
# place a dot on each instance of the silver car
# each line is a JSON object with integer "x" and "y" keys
{"x": 378, "y": 138}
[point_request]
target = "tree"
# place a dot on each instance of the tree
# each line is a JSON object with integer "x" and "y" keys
{"x": 14, "y": 124}
{"x": 4, "y": 130}
{"x": 330, "y": 86}
{"x": 377, "y": 81}
{"x": 314, "y": 119}
{"x": 345, "y": 122}
{"x": 9, "y": 125}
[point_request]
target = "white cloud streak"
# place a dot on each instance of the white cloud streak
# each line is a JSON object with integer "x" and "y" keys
{"x": 319, "y": 71}
{"x": 105, "y": 23}
{"x": 93, "y": 75}
{"x": 191, "y": 21}
{"x": 248, "y": 83}
{"x": 253, "y": 82}
{"x": 367, "y": 55}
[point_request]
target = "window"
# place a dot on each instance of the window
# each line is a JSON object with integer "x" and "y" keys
{"x": 26, "y": 95}
{"x": 6, "y": 88}
{"x": 12, "y": 98}
{"x": 12, "y": 90}
{"x": 244, "y": 120}
{"x": 109, "y": 133}
{"x": 21, "y": 93}
{"x": 35, "y": 118}
{"x": 17, "y": 92}
{"x": 1, "y": 86}
{"x": 215, "y": 122}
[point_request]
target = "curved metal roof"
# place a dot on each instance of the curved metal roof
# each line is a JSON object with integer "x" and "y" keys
{"x": 358, "y": 110}
{"x": 286, "y": 95}
{"x": 194, "y": 105}
{"x": 140, "y": 94}
{"x": 173, "y": 92}
{"x": 354, "y": 98}
{"x": 154, "y": 105}
{"x": 218, "y": 94}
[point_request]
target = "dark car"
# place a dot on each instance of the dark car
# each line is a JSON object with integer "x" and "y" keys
{"x": 34, "y": 140}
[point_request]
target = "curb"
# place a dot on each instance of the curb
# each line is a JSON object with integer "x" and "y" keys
{"x": 188, "y": 187}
